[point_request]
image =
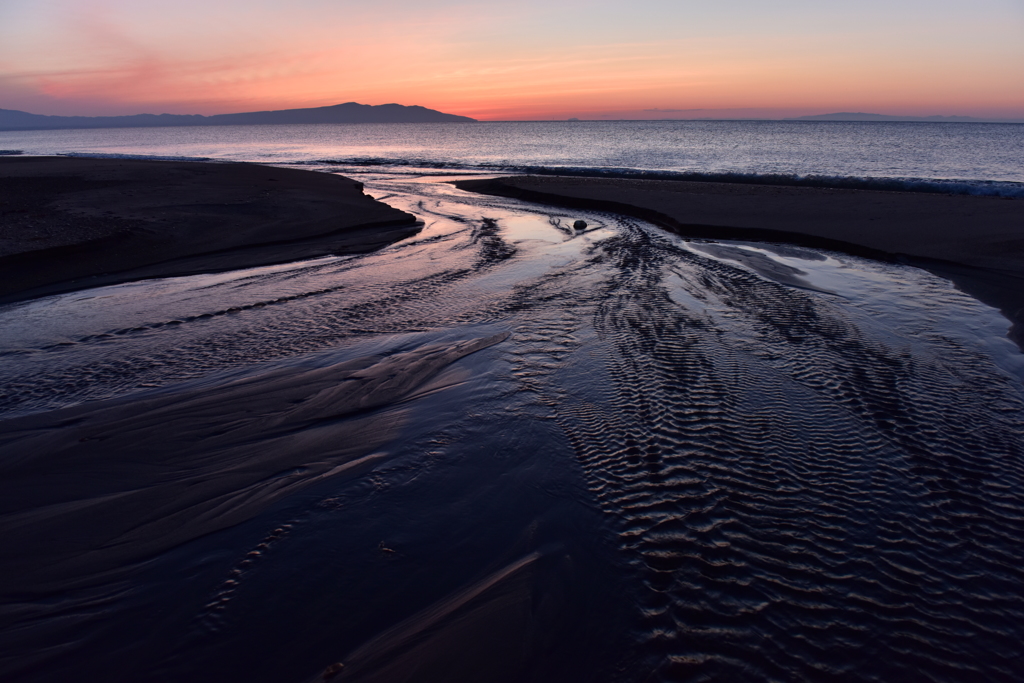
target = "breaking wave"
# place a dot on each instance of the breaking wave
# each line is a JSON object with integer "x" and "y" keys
{"x": 147, "y": 157}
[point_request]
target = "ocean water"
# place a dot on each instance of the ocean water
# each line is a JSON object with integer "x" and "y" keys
{"x": 610, "y": 455}
{"x": 946, "y": 157}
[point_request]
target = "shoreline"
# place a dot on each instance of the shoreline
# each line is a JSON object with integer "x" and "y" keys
{"x": 71, "y": 223}
{"x": 924, "y": 230}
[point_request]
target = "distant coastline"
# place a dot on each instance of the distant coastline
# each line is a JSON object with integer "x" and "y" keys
{"x": 349, "y": 112}
{"x": 863, "y": 116}
{"x": 860, "y": 117}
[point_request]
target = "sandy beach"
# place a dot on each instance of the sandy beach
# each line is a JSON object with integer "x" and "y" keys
{"x": 977, "y": 242}
{"x": 505, "y": 449}
{"x": 71, "y": 223}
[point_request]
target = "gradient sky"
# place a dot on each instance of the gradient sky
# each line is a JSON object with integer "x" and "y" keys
{"x": 529, "y": 59}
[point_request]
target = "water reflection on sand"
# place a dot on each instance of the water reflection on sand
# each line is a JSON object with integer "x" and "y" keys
{"x": 503, "y": 450}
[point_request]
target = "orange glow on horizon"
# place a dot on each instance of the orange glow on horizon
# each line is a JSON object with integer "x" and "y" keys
{"x": 556, "y": 61}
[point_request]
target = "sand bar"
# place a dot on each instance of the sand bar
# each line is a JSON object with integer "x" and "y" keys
{"x": 69, "y": 223}
{"x": 978, "y": 242}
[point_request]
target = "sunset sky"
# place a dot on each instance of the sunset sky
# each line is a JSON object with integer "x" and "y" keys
{"x": 529, "y": 59}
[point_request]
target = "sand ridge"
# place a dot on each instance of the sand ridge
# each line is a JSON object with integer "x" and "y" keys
{"x": 67, "y": 223}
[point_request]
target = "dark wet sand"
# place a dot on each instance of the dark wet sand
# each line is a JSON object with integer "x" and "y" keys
{"x": 90, "y": 493}
{"x": 90, "y": 490}
{"x": 70, "y": 223}
{"x": 977, "y": 242}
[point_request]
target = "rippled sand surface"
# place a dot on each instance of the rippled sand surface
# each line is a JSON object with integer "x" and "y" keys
{"x": 506, "y": 450}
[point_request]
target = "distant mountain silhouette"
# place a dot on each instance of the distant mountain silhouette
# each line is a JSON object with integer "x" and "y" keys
{"x": 350, "y": 112}
{"x": 861, "y": 116}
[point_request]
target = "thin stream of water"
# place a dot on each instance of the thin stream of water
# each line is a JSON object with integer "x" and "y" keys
{"x": 729, "y": 461}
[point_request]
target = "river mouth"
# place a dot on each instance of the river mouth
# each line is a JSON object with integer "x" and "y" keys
{"x": 609, "y": 454}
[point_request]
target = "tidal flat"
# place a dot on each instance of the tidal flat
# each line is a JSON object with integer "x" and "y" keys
{"x": 502, "y": 448}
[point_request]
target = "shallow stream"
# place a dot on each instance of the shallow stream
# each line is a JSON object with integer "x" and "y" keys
{"x": 685, "y": 461}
